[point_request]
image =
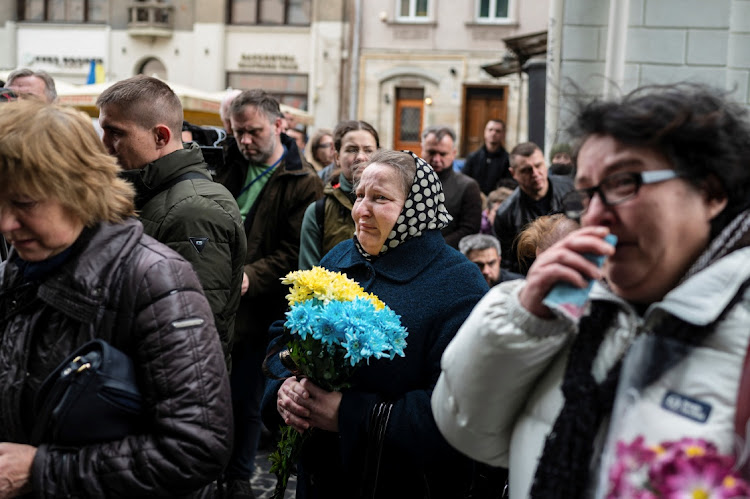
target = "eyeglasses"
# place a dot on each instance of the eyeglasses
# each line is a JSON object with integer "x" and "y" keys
{"x": 325, "y": 145}
{"x": 613, "y": 190}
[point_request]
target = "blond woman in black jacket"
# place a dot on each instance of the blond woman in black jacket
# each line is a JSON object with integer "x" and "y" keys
{"x": 81, "y": 268}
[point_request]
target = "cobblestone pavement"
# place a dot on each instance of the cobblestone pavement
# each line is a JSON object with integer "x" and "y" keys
{"x": 264, "y": 482}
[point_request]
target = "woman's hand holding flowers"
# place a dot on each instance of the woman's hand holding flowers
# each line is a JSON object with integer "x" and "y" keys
{"x": 289, "y": 404}
{"x": 304, "y": 405}
{"x": 322, "y": 405}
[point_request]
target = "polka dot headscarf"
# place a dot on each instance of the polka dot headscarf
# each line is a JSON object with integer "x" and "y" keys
{"x": 424, "y": 209}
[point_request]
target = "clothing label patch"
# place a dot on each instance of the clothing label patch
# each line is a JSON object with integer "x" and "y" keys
{"x": 199, "y": 243}
{"x": 686, "y": 406}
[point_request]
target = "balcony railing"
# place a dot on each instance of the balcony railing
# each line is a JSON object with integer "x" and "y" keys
{"x": 150, "y": 19}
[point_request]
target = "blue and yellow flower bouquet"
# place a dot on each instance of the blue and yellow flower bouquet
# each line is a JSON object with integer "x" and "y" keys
{"x": 334, "y": 326}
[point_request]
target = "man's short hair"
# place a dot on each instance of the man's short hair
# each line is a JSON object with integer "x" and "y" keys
{"x": 524, "y": 149}
{"x": 480, "y": 242}
{"x": 439, "y": 131}
{"x": 495, "y": 120}
{"x": 50, "y": 91}
{"x": 259, "y": 99}
{"x": 147, "y": 101}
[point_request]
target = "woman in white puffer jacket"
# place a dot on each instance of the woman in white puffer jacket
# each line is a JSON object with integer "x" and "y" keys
{"x": 664, "y": 171}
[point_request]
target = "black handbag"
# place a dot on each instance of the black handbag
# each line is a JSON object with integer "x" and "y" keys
{"x": 92, "y": 396}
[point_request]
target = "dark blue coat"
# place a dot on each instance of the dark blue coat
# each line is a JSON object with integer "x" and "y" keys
{"x": 433, "y": 288}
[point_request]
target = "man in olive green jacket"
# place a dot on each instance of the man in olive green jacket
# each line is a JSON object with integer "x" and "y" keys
{"x": 178, "y": 202}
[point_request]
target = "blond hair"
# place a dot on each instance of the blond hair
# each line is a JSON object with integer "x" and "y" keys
{"x": 53, "y": 152}
{"x": 541, "y": 233}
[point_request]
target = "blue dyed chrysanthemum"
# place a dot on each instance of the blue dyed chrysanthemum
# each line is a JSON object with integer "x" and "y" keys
{"x": 357, "y": 325}
{"x": 302, "y": 318}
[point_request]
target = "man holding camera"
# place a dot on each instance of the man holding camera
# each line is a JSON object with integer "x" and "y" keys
{"x": 178, "y": 203}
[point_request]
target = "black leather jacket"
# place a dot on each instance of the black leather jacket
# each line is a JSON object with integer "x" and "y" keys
{"x": 517, "y": 211}
{"x": 124, "y": 287}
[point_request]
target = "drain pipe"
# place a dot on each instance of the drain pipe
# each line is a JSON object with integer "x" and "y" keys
{"x": 617, "y": 37}
{"x": 554, "y": 54}
{"x": 354, "y": 58}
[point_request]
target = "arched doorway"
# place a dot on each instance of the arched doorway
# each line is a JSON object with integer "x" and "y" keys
{"x": 153, "y": 67}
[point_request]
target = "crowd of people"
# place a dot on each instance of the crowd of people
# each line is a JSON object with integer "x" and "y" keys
{"x": 129, "y": 237}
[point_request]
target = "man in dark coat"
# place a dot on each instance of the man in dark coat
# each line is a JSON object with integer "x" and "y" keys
{"x": 462, "y": 196}
{"x": 178, "y": 202}
{"x": 489, "y": 165}
{"x": 273, "y": 188}
{"x": 537, "y": 194}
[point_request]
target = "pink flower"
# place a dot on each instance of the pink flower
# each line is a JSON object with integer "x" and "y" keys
{"x": 630, "y": 472}
{"x": 686, "y": 469}
{"x": 697, "y": 477}
{"x": 670, "y": 454}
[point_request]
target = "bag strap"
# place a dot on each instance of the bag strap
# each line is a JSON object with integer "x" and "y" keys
{"x": 320, "y": 207}
{"x": 381, "y": 414}
{"x": 279, "y": 348}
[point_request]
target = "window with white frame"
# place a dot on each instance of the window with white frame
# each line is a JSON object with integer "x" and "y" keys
{"x": 413, "y": 10}
{"x": 493, "y": 10}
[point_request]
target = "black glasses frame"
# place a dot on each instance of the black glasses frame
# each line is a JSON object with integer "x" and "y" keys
{"x": 582, "y": 197}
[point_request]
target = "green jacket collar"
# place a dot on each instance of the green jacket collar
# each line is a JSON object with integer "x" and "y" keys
{"x": 173, "y": 165}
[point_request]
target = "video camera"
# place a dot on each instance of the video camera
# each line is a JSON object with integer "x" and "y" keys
{"x": 208, "y": 138}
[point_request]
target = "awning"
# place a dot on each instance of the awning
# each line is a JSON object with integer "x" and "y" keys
{"x": 520, "y": 49}
{"x": 199, "y": 107}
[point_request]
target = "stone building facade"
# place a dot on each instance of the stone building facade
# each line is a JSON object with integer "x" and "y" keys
{"x": 611, "y": 47}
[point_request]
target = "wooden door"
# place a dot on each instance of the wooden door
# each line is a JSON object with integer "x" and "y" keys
{"x": 408, "y": 119}
{"x": 482, "y": 103}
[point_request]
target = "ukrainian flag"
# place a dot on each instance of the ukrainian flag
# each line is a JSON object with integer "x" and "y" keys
{"x": 96, "y": 73}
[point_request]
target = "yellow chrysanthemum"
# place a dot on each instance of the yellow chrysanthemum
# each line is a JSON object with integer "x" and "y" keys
{"x": 699, "y": 493}
{"x": 658, "y": 449}
{"x": 379, "y": 305}
{"x": 325, "y": 286}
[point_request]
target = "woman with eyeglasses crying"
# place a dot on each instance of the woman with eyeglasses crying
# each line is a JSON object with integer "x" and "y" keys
{"x": 649, "y": 377}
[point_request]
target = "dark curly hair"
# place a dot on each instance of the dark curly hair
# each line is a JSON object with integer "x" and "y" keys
{"x": 701, "y": 132}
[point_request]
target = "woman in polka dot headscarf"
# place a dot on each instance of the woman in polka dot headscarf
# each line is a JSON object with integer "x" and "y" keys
{"x": 419, "y": 194}
{"x": 399, "y": 254}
